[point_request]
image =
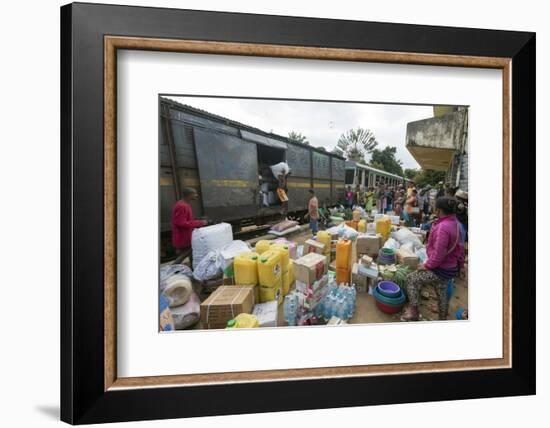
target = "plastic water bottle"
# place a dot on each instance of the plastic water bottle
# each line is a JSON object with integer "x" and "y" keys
{"x": 290, "y": 309}
{"x": 341, "y": 308}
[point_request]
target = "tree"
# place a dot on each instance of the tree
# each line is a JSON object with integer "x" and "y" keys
{"x": 410, "y": 173}
{"x": 298, "y": 137}
{"x": 428, "y": 177}
{"x": 356, "y": 143}
{"x": 387, "y": 159}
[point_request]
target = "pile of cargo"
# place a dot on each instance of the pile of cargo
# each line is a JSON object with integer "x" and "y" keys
{"x": 317, "y": 282}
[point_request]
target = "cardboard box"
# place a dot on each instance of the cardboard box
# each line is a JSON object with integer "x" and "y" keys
{"x": 225, "y": 303}
{"x": 368, "y": 244}
{"x": 314, "y": 287}
{"x": 312, "y": 246}
{"x": 310, "y": 268}
{"x": 267, "y": 313}
{"x": 407, "y": 258}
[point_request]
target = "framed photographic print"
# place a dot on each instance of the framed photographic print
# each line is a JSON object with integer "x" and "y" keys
{"x": 277, "y": 213}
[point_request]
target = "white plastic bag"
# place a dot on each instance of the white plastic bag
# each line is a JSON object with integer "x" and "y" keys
{"x": 210, "y": 267}
{"x": 209, "y": 238}
{"x": 280, "y": 168}
{"x": 392, "y": 243}
{"x": 422, "y": 255}
{"x": 346, "y": 232}
{"x": 167, "y": 271}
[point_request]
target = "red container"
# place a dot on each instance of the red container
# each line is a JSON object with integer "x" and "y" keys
{"x": 387, "y": 308}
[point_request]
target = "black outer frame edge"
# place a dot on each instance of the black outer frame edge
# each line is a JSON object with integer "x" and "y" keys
{"x": 83, "y": 399}
{"x": 66, "y": 306}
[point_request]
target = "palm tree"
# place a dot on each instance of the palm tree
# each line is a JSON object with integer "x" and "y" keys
{"x": 356, "y": 143}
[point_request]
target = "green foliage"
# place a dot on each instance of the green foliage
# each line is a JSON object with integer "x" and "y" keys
{"x": 356, "y": 143}
{"x": 428, "y": 177}
{"x": 387, "y": 159}
{"x": 410, "y": 173}
{"x": 377, "y": 165}
{"x": 298, "y": 137}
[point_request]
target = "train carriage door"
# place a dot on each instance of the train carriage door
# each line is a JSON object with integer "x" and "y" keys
{"x": 228, "y": 170}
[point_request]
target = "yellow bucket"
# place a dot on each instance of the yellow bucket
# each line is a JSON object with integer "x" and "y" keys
{"x": 269, "y": 269}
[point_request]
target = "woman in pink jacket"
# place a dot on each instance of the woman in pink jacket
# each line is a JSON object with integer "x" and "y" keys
{"x": 445, "y": 260}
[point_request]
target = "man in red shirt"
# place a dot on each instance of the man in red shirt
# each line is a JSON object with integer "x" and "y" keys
{"x": 183, "y": 224}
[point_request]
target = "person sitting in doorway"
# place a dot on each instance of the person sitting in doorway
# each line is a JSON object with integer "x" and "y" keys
{"x": 183, "y": 225}
{"x": 445, "y": 261}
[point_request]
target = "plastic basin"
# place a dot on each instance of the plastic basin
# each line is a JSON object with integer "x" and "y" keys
{"x": 391, "y": 301}
{"x": 387, "y": 308}
{"x": 389, "y": 289}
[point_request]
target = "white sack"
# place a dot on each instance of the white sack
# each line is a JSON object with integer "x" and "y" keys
{"x": 210, "y": 238}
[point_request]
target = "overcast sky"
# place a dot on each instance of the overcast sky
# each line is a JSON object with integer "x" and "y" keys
{"x": 321, "y": 122}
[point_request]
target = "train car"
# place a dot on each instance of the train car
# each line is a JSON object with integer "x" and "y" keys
{"x": 228, "y": 163}
{"x": 358, "y": 174}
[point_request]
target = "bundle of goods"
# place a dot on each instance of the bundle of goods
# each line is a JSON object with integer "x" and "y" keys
{"x": 358, "y": 279}
{"x": 243, "y": 321}
{"x": 386, "y": 256}
{"x": 407, "y": 258}
{"x": 267, "y": 313}
{"x": 339, "y": 301}
{"x": 284, "y": 227}
{"x": 369, "y": 244}
{"x": 178, "y": 289}
{"x": 228, "y": 254}
{"x": 209, "y": 238}
{"x": 343, "y": 261}
{"x": 188, "y": 314}
{"x": 168, "y": 270}
{"x": 270, "y": 276}
{"x": 389, "y": 297}
{"x": 302, "y": 307}
{"x": 226, "y": 303}
{"x": 407, "y": 239}
{"x": 281, "y": 168}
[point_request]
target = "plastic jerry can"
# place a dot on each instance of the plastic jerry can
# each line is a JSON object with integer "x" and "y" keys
{"x": 245, "y": 266}
{"x": 356, "y": 215}
{"x": 269, "y": 268}
{"x": 324, "y": 238}
{"x": 285, "y": 254}
{"x": 268, "y": 294}
{"x": 342, "y": 275}
{"x": 262, "y": 246}
{"x": 286, "y": 283}
{"x": 343, "y": 253}
{"x": 383, "y": 227}
{"x": 362, "y": 226}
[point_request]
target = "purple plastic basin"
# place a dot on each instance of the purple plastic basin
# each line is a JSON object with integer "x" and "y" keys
{"x": 389, "y": 288}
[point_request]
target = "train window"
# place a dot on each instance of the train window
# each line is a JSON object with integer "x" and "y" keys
{"x": 350, "y": 175}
